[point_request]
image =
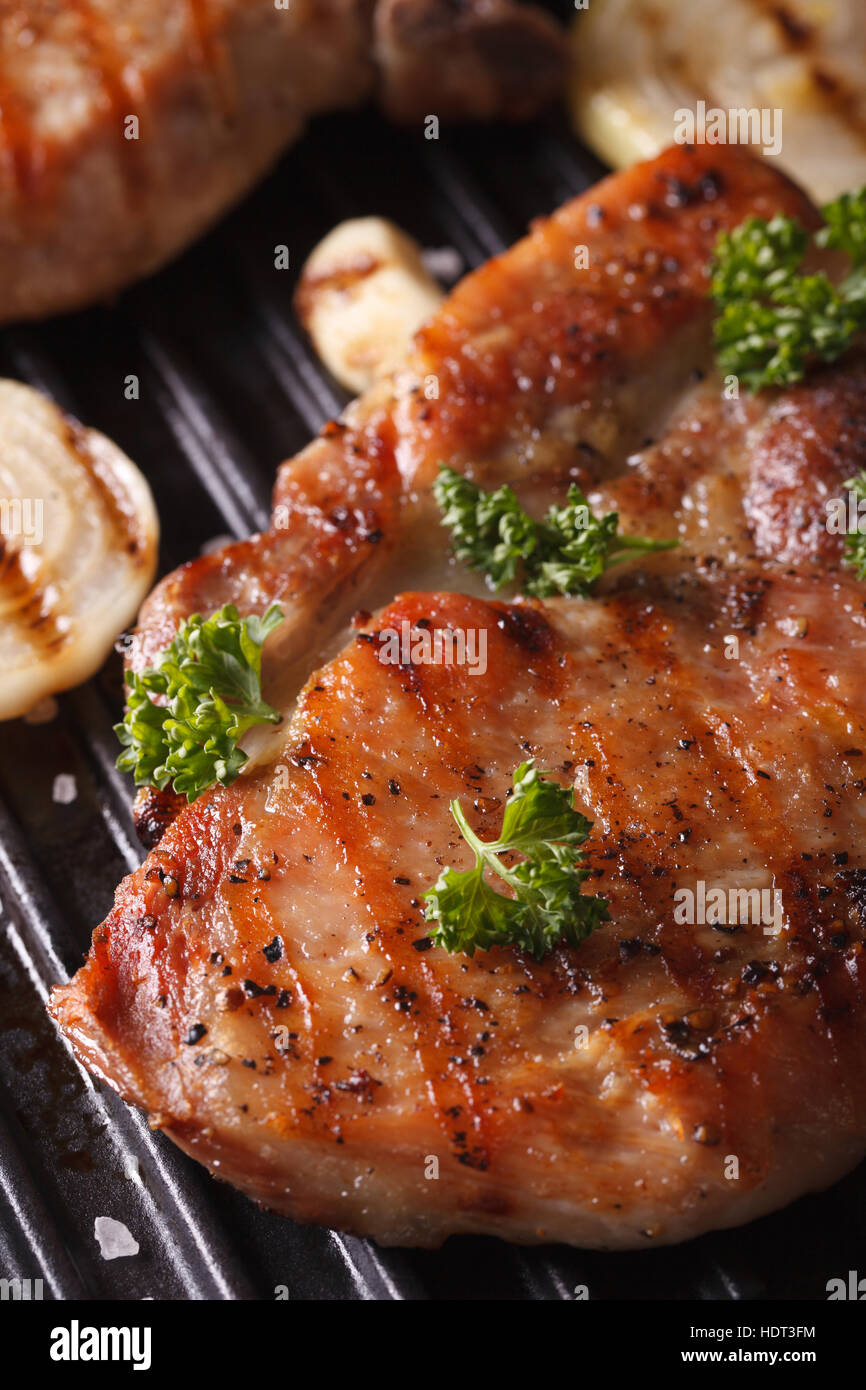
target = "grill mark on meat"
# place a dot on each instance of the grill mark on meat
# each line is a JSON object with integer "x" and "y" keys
{"x": 445, "y": 1050}
{"x": 434, "y": 1039}
{"x": 682, "y": 957}
{"x": 214, "y": 55}
{"x": 303, "y": 997}
{"x": 737, "y": 774}
{"x": 441, "y": 1046}
{"x": 651, "y": 643}
{"x": 748, "y": 791}
{"x": 810, "y": 442}
{"x": 25, "y": 155}
{"x": 123, "y": 94}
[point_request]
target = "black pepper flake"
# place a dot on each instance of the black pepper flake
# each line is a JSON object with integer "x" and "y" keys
{"x": 630, "y": 946}
{"x": 323, "y": 1061}
{"x": 368, "y": 799}
{"x": 284, "y": 998}
{"x": 423, "y": 943}
{"x": 216, "y": 957}
{"x": 252, "y": 990}
{"x": 236, "y": 878}
{"x": 393, "y": 786}
{"x": 274, "y": 950}
{"x": 754, "y": 971}
{"x": 195, "y": 1034}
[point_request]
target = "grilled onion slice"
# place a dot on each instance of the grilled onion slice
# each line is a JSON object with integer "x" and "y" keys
{"x": 636, "y": 62}
{"x": 78, "y": 541}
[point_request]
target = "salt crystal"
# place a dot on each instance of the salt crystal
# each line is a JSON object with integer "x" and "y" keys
{"x": 65, "y": 789}
{"x": 133, "y": 1172}
{"x": 114, "y": 1238}
{"x": 443, "y": 263}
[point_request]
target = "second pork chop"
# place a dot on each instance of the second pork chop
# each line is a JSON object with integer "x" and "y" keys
{"x": 125, "y": 130}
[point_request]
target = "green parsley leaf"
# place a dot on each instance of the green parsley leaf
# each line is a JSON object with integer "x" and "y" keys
{"x": 547, "y": 906}
{"x": 855, "y": 543}
{"x": 209, "y": 683}
{"x": 845, "y": 226}
{"x": 563, "y": 554}
{"x": 774, "y": 321}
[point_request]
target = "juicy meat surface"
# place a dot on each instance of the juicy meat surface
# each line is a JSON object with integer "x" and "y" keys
{"x": 265, "y": 985}
{"x": 126, "y": 129}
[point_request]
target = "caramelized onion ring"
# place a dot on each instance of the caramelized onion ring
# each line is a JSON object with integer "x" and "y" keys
{"x": 78, "y": 542}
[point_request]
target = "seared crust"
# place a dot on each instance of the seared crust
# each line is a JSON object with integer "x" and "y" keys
{"x": 706, "y": 704}
{"x": 328, "y": 1078}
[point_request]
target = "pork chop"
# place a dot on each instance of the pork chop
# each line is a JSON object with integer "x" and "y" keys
{"x": 125, "y": 130}
{"x": 266, "y": 986}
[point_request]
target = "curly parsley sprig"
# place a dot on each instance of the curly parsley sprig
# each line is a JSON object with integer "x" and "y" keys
{"x": 563, "y": 554}
{"x": 547, "y": 906}
{"x": 774, "y": 321}
{"x": 209, "y": 681}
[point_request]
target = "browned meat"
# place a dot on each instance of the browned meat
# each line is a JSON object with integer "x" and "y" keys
{"x": 126, "y": 129}
{"x": 265, "y": 986}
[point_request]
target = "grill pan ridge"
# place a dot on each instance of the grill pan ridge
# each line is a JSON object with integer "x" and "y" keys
{"x": 228, "y": 388}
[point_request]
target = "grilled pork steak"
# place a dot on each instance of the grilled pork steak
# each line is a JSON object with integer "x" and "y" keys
{"x": 265, "y": 985}
{"x": 125, "y": 130}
